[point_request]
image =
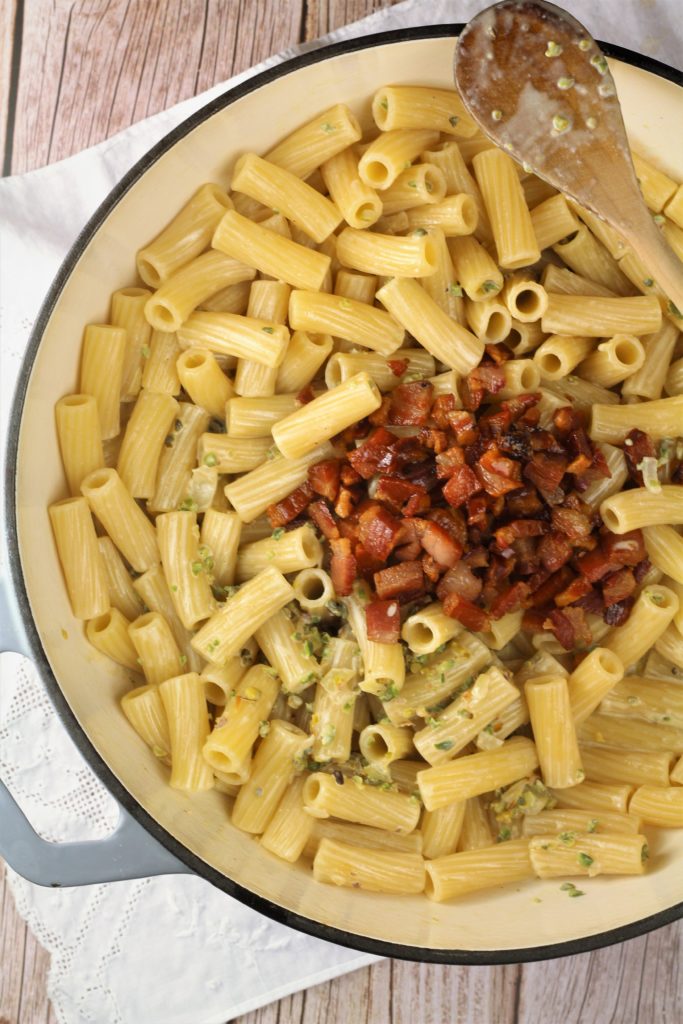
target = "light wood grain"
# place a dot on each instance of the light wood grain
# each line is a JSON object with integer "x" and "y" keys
{"x": 85, "y": 69}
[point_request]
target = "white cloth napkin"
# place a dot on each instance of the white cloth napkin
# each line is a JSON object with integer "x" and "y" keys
{"x": 169, "y": 950}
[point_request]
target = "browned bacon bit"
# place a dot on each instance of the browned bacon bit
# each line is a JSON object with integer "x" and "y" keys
{"x": 349, "y": 476}
{"x": 443, "y": 405}
{"x": 383, "y": 620}
{"x": 450, "y": 520}
{"x": 618, "y": 586}
{"x": 497, "y": 474}
{"x": 555, "y": 584}
{"x": 569, "y": 627}
{"x": 283, "y": 512}
{"x": 482, "y": 379}
{"x": 577, "y": 589}
{"x": 344, "y": 504}
{"x": 567, "y": 419}
{"x": 435, "y": 440}
{"x": 463, "y": 426}
{"x": 638, "y": 446}
{"x": 402, "y": 496}
{"x": 410, "y": 404}
{"x": 431, "y": 569}
{"x": 366, "y": 563}
{"x": 305, "y": 395}
{"x": 378, "y": 532}
{"x": 437, "y": 542}
{"x": 641, "y": 570}
{"x": 580, "y": 464}
{"x": 448, "y": 461}
{"x": 397, "y": 366}
{"x": 324, "y": 478}
{"x": 533, "y": 621}
{"x": 367, "y": 457}
{"x": 511, "y": 600}
{"x": 505, "y": 535}
{"x": 625, "y": 548}
{"x": 323, "y": 518}
{"x": 554, "y": 551}
{"x": 574, "y": 525}
{"x": 461, "y": 485}
{"x": 592, "y": 602}
{"x": 595, "y": 564}
{"x": 464, "y": 611}
{"x": 617, "y": 614}
{"x": 342, "y": 566}
{"x": 380, "y": 416}
{"x": 460, "y": 580}
{"x": 403, "y": 582}
{"x": 497, "y": 353}
{"x": 546, "y": 472}
{"x": 523, "y": 504}
{"x": 477, "y": 514}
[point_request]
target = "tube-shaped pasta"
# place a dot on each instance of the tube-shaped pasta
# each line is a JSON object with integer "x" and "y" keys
{"x": 490, "y": 320}
{"x": 187, "y": 235}
{"x": 159, "y": 372}
{"x": 290, "y": 828}
{"x": 109, "y": 634}
{"x": 598, "y": 490}
{"x": 382, "y": 744}
{"x": 144, "y": 709}
{"x": 334, "y": 705}
{"x": 204, "y": 381}
{"x": 383, "y": 664}
{"x": 616, "y": 246}
{"x": 169, "y": 307}
{"x": 654, "y": 609}
{"x": 327, "y": 415}
{"x": 233, "y": 299}
{"x": 630, "y": 767}
{"x": 373, "y": 870}
{"x": 648, "y": 700}
{"x": 559, "y": 354}
{"x": 526, "y": 299}
{"x": 80, "y": 438}
{"x": 592, "y": 680}
{"x": 595, "y": 796}
{"x": 522, "y": 376}
{"x": 661, "y": 418}
{"x": 220, "y": 681}
{"x": 153, "y": 589}
{"x": 288, "y": 551}
{"x": 350, "y": 285}
{"x": 452, "y": 729}
{"x": 124, "y": 521}
{"x": 630, "y": 734}
{"x": 388, "y": 255}
{"x": 359, "y": 203}
{"x": 143, "y": 442}
{"x": 280, "y": 189}
{"x": 228, "y": 747}
{"x": 551, "y": 823}
{"x": 272, "y": 771}
{"x": 343, "y": 365}
{"x": 561, "y": 281}
{"x": 316, "y": 141}
{"x": 648, "y": 381}
{"x": 413, "y": 106}
{"x": 552, "y": 220}
{"x": 659, "y": 805}
{"x": 554, "y": 731}
{"x": 270, "y": 253}
{"x": 178, "y": 458}
{"x": 588, "y": 854}
{"x": 507, "y": 210}
{"x": 455, "y": 215}
{"x": 345, "y": 318}
{"x": 597, "y": 317}
{"x": 186, "y": 567}
{"x": 447, "y": 341}
{"x": 313, "y": 590}
{"x": 441, "y": 286}
{"x": 240, "y": 616}
{"x": 157, "y": 651}
{"x": 252, "y": 493}
{"x": 305, "y": 354}
{"x": 268, "y": 300}
{"x": 524, "y": 337}
{"x": 588, "y": 258}
{"x": 448, "y": 158}
{"x": 122, "y": 593}
{"x": 127, "y": 311}
{"x": 657, "y": 187}
{"x": 390, "y": 154}
{"x": 613, "y": 360}
{"x": 294, "y": 663}
{"x": 472, "y": 870}
{"x": 670, "y": 646}
{"x": 476, "y": 828}
{"x": 361, "y": 835}
{"x": 428, "y": 629}
{"x": 220, "y": 533}
{"x": 441, "y": 830}
{"x": 418, "y": 185}
{"x": 674, "y": 207}
{"x": 478, "y": 773}
{"x": 475, "y": 269}
{"x": 188, "y": 727}
{"x": 361, "y": 803}
{"x": 246, "y": 337}
{"x": 102, "y": 358}
{"x": 228, "y": 454}
{"x": 665, "y": 550}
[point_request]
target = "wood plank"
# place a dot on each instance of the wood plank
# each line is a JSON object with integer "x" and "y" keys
{"x": 13, "y": 932}
{"x": 636, "y": 982}
{"x": 324, "y": 16}
{"x": 9, "y": 49}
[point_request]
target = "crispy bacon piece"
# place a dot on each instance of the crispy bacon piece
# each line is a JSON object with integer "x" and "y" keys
{"x": 533, "y": 621}
{"x": 344, "y": 503}
{"x": 625, "y": 548}
{"x": 506, "y": 535}
{"x": 403, "y": 497}
{"x": 524, "y": 504}
{"x": 367, "y": 458}
{"x": 569, "y": 627}
{"x": 403, "y": 582}
{"x": 378, "y": 532}
{"x": 283, "y": 512}
{"x": 305, "y": 395}
{"x": 435, "y": 440}
{"x": 349, "y": 476}
{"x": 497, "y": 353}
{"x": 461, "y": 485}
{"x": 618, "y": 586}
{"x": 463, "y": 426}
{"x": 546, "y": 472}
{"x": 574, "y": 525}
{"x": 411, "y": 404}
{"x": 366, "y": 563}
{"x": 321, "y": 514}
{"x": 450, "y": 520}
{"x": 641, "y": 570}
{"x": 397, "y": 366}
{"x": 482, "y": 379}
{"x": 477, "y": 512}
{"x": 595, "y": 564}
{"x": 383, "y": 621}
{"x": 431, "y": 569}
{"x": 638, "y": 446}
{"x": 580, "y": 464}
{"x": 437, "y": 542}
{"x": 497, "y": 474}
{"x": 577, "y": 589}
{"x": 472, "y": 617}
{"x": 380, "y": 416}
{"x": 511, "y": 600}
{"x": 324, "y": 478}
{"x": 448, "y": 461}
{"x": 567, "y": 419}
{"x": 459, "y": 580}
{"x": 546, "y": 591}
{"x": 592, "y": 602}
{"x": 342, "y": 566}
{"x": 617, "y": 614}
{"x": 442, "y": 406}
{"x": 554, "y": 551}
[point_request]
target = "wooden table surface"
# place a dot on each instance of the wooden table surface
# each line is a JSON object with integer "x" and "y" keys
{"x": 73, "y": 72}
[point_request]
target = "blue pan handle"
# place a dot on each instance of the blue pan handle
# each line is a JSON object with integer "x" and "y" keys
{"x": 129, "y": 852}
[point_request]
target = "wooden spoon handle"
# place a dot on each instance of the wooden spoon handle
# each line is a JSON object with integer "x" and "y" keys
{"x": 647, "y": 241}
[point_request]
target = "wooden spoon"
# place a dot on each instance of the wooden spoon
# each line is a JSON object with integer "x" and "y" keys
{"x": 539, "y": 87}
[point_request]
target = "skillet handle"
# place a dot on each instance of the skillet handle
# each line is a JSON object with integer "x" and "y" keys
{"x": 129, "y": 852}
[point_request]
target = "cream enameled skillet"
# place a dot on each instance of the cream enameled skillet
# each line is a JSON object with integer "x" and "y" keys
{"x": 162, "y": 830}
